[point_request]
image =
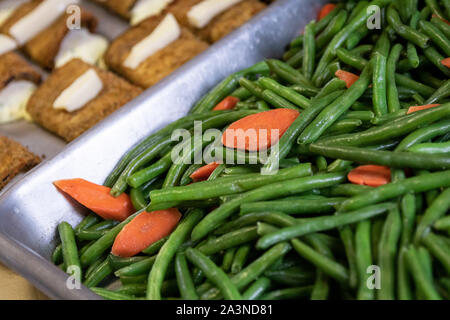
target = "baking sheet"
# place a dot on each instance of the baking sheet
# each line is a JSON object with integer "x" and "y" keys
{"x": 32, "y": 209}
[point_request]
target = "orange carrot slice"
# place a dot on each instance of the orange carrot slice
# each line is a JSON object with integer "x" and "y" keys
{"x": 348, "y": 77}
{"x": 97, "y": 198}
{"x": 255, "y": 132}
{"x": 144, "y": 230}
{"x": 204, "y": 172}
{"x": 227, "y": 104}
{"x": 418, "y": 108}
{"x": 326, "y": 9}
{"x": 370, "y": 175}
{"x": 446, "y": 62}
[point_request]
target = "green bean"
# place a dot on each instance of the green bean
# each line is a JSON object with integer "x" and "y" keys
{"x": 102, "y": 271}
{"x": 386, "y": 158}
{"x": 424, "y": 134}
{"x": 439, "y": 23}
{"x": 184, "y": 279}
{"x": 431, "y": 148}
{"x": 392, "y": 91}
{"x": 304, "y": 90}
{"x": 296, "y": 59}
{"x": 379, "y": 84}
{"x": 351, "y": 59}
{"x": 300, "y": 206}
{"x": 417, "y": 86}
{"x": 277, "y": 101}
{"x": 411, "y": 51}
{"x": 387, "y": 253}
{"x": 119, "y": 262}
{"x": 332, "y": 86}
{"x": 419, "y": 275}
{"x": 410, "y": 34}
{"x": 240, "y": 258}
{"x": 393, "y": 129}
{"x": 287, "y": 73}
{"x": 324, "y": 263}
{"x": 333, "y": 111}
{"x": 87, "y": 222}
{"x": 292, "y": 51}
{"x": 294, "y": 276}
{"x": 257, "y": 289}
{"x": 436, "y": 36}
{"x": 403, "y": 279}
{"x": 96, "y": 250}
{"x": 167, "y": 252}
{"x": 214, "y": 274}
{"x": 288, "y": 294}
{"x": 241, "y": 93}
{"x": 143, "y": 266}
{"x": 228, "y": 258}
{"x": 57, "y": 255}
{"x": 438, "y": 248}
{"x": 112, "y": 295}
{"x": 389, "y": 191}
{"x": 309, "y": 49}
{"x": 138, "y": 199}
{"x": 285, "y": 92}
{"x": 435, "y": 58}
{"x": 312, "y": 225}
{"x": 132, "y": 289}
{"x": 331, "y": 29}
{"x": 321, "y": 287}
{"x": 133, "y": 279}
{"x": 154, "y": 247}
{"x": 69, "y": 249}
{"x": 290, "y": 136}
{"x": 442, "y": 223}
{"x": 441, "y": 93}
{"x": 294, "y": 186}
{"x": 341, "y": 36}
{"x": 363, "y": 259}
{"x": 186, "y": 179}
{"x": 254, "y": 269}
{"x": 273, "y": 217}
{"x": 229, "y": 240}
{"x": 434, "y": 7}
{"x": 91, "y": 234}
{"x": 227, "y": 185}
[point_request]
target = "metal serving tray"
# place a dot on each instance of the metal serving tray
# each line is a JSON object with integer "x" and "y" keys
{"x": 31, "y": 210}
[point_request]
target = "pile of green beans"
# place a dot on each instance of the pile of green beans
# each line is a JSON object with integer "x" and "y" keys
{"x": 291, "y": 225}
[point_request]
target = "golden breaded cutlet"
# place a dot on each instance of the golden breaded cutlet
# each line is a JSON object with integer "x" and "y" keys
{"x": 120, "y": 7}
{"x": 14, "y": 159}
{"x": 44, "y": 47}
{"x": 69, "y": 125}
{"x": 160, "y": 64}
{"x": 230, "y": 20}
{"x": 13, "y": 68}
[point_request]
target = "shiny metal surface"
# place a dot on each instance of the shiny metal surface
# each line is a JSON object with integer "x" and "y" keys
{"x": 32, "y": 209}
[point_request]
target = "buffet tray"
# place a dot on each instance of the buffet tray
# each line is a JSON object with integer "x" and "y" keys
{"x": 31, "y": 209}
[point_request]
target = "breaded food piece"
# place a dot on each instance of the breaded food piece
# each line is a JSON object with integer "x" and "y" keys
{"x": 120, "y": 7}
{"x": 18, "y": 14}
{"x": 44, "y": 47}
{"x": 69, "y": 125}
{"x": 14, "y": 159}
{"x": 231, "y": 19}
{"x": 160, "y": 64}
{"x": 13, "y": 67}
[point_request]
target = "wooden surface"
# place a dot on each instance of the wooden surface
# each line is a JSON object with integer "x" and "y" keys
{"x": 14, "y": 287}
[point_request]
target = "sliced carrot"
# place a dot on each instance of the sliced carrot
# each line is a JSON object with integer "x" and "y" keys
{"x": 227, "y": 104}
{"x": 348, "y": 77}
{"x": 418, "y": 108}
{"x": 204, "y": 172}
{"x": 326, "y": 9}
{"x": 144, "y": 230}
{"x": 370, "y": 175}
{"x": 255, "y": 131}
{"x": 97, "y": 198}
{"x": 446, "y": 62}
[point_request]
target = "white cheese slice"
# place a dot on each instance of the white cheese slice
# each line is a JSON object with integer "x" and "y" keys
{"x": 6, "y": 44}
{"x": 39, "y": 19}
{"x": 7, "y": 8}
{"x": 144, "y": 9}
{"x": 83, "y": 45}
{"x": 202, "y": 13}
{"x": 165, "y": 33}
{"x": 81, "y": 91}
{"x": 13, "y": 100}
